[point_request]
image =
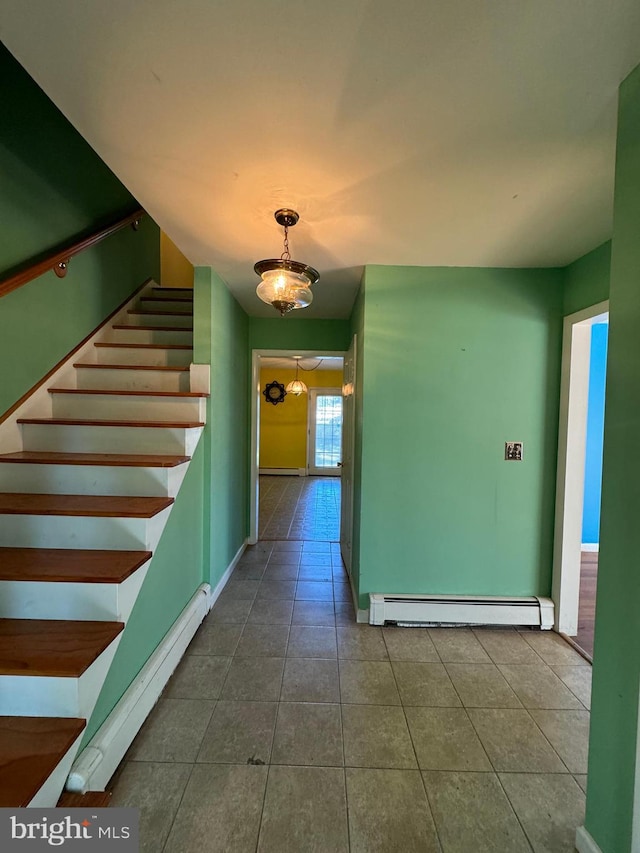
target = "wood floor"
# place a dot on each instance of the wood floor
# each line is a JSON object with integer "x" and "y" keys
{"x": 587, "y": 607}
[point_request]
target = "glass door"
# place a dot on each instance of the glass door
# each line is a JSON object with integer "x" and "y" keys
{"x": 325, "y": 431}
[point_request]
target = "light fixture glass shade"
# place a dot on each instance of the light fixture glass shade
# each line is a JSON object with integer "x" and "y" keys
{"x": 297, "y": 387}
{"x": 285, "y": 284}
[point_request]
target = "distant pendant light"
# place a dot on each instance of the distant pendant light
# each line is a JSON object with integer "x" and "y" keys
{"x": 285, "y": 284}
{"x": 297, "y": 387}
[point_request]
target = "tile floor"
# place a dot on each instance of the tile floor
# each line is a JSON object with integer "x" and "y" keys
{"x": 288, "y": 728}
{"x": 299, "y": 508}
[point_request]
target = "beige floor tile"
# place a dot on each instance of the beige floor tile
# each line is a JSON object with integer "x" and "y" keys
{"x": 458, "y": 645}
{"x": 313, "y": 613}
{"x": 550, "y": 809}
{"x": 309, "y": 734}
{"x": 444, "y": 739}
{"x": 263, "y": 641}
{"x": 277, "y": 589}
{"x": 388, "y": 811}
{"x": 553, "y": 649}
{"x": 254, "y": 678}
{"x": 568, "y": 733}
{"x": 505, "y": 646}
{"x": 342, "y": 592}
{"x": 236, "y": 588}
{"x": 249, "y": 571}
{"x": 537, "y": 686}
{"x": 284, "y": 558}
{"x": 156, "y": 790}
{"x": 173, "y": 731}
{"x": 230, "y": 610}
{"x": 513, "y": 741}
{"x": 304, "y": 810}
{"x": 472, "y": 814}
{"x": 312, "y": 641}
{"x": 308, "y": 680}
{"x": 361, "y": 642}
{"x": 376, "y": 736}
{"x": 220, "y": 810}
{"x": 270, "y": 612}
{"x": 367, "y": 682}
{"x": 345, "y": 614}
{"x": 239, "y": 733}
{"x": 216, "y": 638}
{"x": 316, "y": 573}
{"x": 198, "y": 677}
{"x": 314, "y": 591}
{"x": 581, "y": 779}
{"x": 578, "y": 680}
{"x": 281, "y": 573}
{"x": 481, "y": 685}
{"x": 425, "y": 684}
{"x": 412, "y": 644}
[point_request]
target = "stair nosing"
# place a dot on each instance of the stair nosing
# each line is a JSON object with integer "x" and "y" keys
{"x": 82, "y": 506}
{"x": 161, "y": 313}
{"x": 166, "y": 368}
{"x": 130, "y": 562}
{"x": 112, "y": 460}
{"x": 127, "y": 423}
{"x": 142, "y": 346}
{"x": 111, "y": 392}
{"x": 137, "y": 328}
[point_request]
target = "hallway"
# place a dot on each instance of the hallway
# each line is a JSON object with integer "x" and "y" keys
{"x": 288, "y": 728}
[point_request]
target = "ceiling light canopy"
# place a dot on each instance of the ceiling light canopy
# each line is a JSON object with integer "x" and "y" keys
{"x": 285, "y": 284}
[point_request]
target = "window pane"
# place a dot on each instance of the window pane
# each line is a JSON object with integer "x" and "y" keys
{"x": 328, "y": 449}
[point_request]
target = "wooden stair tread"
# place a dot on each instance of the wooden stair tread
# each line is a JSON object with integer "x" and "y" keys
{"x": 173, "y": 289}
{"x": 141, "y": 313}
{"x": 86, "y": 422}
{"x": 62, "y": 565}
{"x": 115, "y": 460}
{"x": 163, "y": 367}
{"x": 57, "y": 648}
{"x": 143, "y": 346}
{"x": 155, "y": 328}
{"x": 90, "y": 800}
{"x": 122, "y": 393}
{"x": 88, "y": 506}
{"x": 30, "y": 750}
{"x": 188, "y": 299}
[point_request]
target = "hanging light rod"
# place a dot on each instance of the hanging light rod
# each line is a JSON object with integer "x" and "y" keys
{"x": 285, "y": 283}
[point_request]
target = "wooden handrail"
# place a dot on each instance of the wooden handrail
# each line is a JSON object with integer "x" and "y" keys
{"x": 59, "y": 260}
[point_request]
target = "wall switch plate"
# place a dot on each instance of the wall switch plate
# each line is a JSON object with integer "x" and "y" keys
{"x": 513, "y": 451}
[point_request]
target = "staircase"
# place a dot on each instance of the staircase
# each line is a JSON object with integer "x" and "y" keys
{"x": 94, "y": 460}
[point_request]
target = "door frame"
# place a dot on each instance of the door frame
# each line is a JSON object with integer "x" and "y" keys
{"x": 572, "y": 437}
{"x": 254, "y": 468}
{"x": 314, "y": 393}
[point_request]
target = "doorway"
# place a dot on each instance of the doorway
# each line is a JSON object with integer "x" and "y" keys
{"x": 573, "y": 568}
{"x": 324, "y": 451}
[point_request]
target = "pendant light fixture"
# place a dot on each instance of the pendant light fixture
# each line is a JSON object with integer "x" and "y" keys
{"x": 297, "y": 387}
{"x": 285, "y": 283}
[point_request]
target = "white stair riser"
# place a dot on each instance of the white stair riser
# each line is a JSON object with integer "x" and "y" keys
{"x": 160, "y": 319}
{"x": 152, "y": 304}
{"x": 112, "y": 407}
{"x": 65, "y": 438}
{"x": 47, "y": 797}
{"x": 112, "y": 379}
{"x": 81, "y": 601}
{"x": 91, "y": 480}
{"x": 135, "y": 355}
{"x": 51, "y": 696}
{"x": 55, "y": 531}
{"x": 150, "y": 336}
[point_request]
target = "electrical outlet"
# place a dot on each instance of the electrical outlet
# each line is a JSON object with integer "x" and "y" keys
{"x": 513, "y": 451}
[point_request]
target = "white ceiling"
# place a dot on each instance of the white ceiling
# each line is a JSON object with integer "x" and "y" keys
{"x": 307, "y": 363}
{"x": 458, "y": 132}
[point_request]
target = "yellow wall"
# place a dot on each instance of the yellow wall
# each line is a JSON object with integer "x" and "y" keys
{"x": 283, "y": 427}
{"x": 175, "y": 269}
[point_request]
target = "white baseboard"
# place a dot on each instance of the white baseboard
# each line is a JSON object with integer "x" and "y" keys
{"x": 590, "y": 547}
{"x": 97, "y": 762}
{"x": 215, "y": 593}
{"x": 585, "y": 843}
{"x": 283, "y": 472}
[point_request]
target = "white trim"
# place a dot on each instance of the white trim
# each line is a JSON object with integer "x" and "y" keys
{"x": 572, "y": 433}
{"x": 284, "y": 472}
{"x": 98, "y": 761}
{"x": 215, "y": 593}
{"x": 461, "y": 610}
{"x": 256, "y": 355}
{"x": 590, "y": 547}
{"x": 585, "y": 843}
{"x": 312, "y": 404}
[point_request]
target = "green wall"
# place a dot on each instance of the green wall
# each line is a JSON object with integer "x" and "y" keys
{"x": 613, "y": 750}
{"x": 357, "y": 328}
{"x": 297, "y": 333}
{"x": 221, "y": 337}
{"x": 459, "y": 361}
{"x": 54, "y": 187}
{"x": 586, "y": 281}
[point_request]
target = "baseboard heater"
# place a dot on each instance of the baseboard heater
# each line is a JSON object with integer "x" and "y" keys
{"x": 460, "y": 610}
